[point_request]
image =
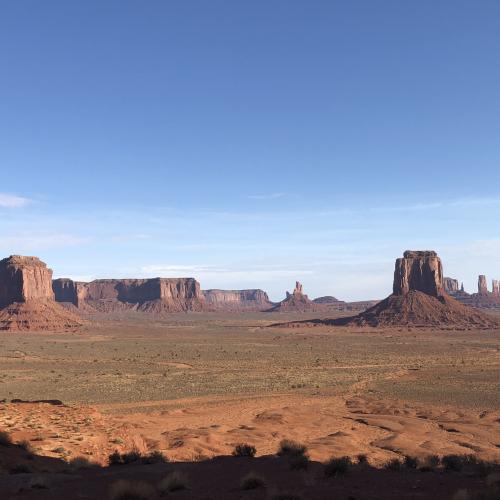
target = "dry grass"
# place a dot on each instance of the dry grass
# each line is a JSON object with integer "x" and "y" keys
{"x": 174, "y": 481}
{"x": 131, "y": 490}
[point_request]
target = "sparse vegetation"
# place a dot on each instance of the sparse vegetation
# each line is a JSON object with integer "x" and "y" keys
{"x": 454, "y": 463}
{"x": 337, "y": 466}
{"x": 154, "y": 457}
{"x": 298, "y": 462}
{"x": 410, "y": 462}
{"x": 5, "y": 439}
{"x": 289, "y": 448}
{"x": 393, "y": 464}
{"x": 174, "y": 481}
{"x": 78, "y": 463}
{"x": 244, "y": 450}
{"x": 252, "y": 481}
{"x": 131, "y": 490}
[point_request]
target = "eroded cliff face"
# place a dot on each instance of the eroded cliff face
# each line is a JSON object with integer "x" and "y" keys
{"x": 482, "y": 285}
{"x": 27, "y": 300}
{"x": 419, "y": 270}
{"x": 151, "y": 295}
{"x": 235, "y": 300}
{"x": 23, "y": 279}
{"x": 297, "y": 301}
{"x": 451, "y": 285}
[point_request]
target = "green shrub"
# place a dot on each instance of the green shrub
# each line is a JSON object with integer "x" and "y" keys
{"x": 252, "y": 481}
{"x": 244, "y": 450}
{"x": 337, "y": 466}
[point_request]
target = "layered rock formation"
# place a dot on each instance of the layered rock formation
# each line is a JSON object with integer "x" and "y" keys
{"x": 26, "y": 297}
{"x": 418, "y": 270}
{"x": 237, "y": 300}
{"x": 297, "y": 301}
{"x": 419, "y": 299}
{"x": 495, "y": 288}
{"x": 482, "y": 285}
{"x": 451, "y": 286}
{"x": 147, "y": 295}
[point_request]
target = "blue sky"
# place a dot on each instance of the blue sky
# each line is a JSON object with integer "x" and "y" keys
{"x": 249, "y": 144}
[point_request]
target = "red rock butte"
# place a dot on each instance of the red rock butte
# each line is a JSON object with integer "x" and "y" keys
{"x": 26, "y": 297}
{"x": 419, "y": 299}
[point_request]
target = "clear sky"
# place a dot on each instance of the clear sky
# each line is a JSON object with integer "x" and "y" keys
{"x": 251, "y": 143}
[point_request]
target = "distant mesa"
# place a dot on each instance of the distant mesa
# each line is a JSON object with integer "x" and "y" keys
{"x": 483, "y": 299}
{"x": 237, "y": 300}
{"x": 155, "y": 295}
{"x": 297, "y": 301}
{"x": 327, "y": 299}
{"x": 27, "y": 300}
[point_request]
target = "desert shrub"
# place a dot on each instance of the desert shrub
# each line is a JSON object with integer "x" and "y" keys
{"x": 155, "y": 457}
{"x": 244, "y": 450}
{"x": 431, "y": 462}
{"x": 5, "y": 439}
{"x": 174, "y": 481}
{"x": 38, "y": 483}
{"x": 128, "y": 490}
{"x": 115, "y": 458}
{"x": 362, "y": 459}
{"x": 298, "y": 462}
{"x": 25, "y": 445}
{"x": 337, "y": 466}
{"x": 81, "y": 463}
{"x": 20, "y": 469}
{"x": 286, "y": 496}
{"x": 410, "y": 462}
{"x": 252, "y": 481}
{"x": 131, "y": 457}
{"x": 454, "y": 462}
{"x": 393, "y": 464}
{"x": 288, "y": 447}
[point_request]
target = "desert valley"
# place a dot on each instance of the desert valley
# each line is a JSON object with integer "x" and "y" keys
{"x": 156, "y": 387}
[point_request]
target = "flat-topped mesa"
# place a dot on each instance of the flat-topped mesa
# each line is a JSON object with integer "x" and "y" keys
{"x": 27, "y": 300}
{"x": 23, "y": 279}
{"x": 152, "y": 295}
{"x": 482, "y": 285}
{"x": 234, "y": 300}
{"x": 419, "y": 271}
{"x": 451, "y": 286}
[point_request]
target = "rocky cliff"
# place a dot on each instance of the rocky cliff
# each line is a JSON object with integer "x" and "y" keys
{"x": 26, "y": 297}
{"x": 451, "y": 286}
{"x": 23, "y": 279}
{"x": 418, "y": 270}
{"x": 237, "y": 300}
{"x": 148, "y": 295}
{"x": 482, "y": 285}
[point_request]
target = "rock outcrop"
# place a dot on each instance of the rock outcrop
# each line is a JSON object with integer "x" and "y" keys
{"x": 26, "y": 297}
{"x": 419, "y": 299}
{"x": 155, "y": 295}
{"x": 451, "y": 286}
{"x": 237, "y": 300}
{"x": 297, "y": 301}
{"x": 482, "y": 285}
{"x": 327, "y": 299}
{"x": 419, "y": 270}
{"x": 495, "y": 288}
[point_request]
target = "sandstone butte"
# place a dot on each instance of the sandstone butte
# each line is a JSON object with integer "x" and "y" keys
{"x": 27, "y": 300}
{"x": 419, "y": 299}
{"x": 297, "y": 301}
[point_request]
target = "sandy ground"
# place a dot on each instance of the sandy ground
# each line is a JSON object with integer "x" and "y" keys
{"x": 194, "y": 386}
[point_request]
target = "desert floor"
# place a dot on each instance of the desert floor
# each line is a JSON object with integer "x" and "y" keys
{"x": 194, "y": 385}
